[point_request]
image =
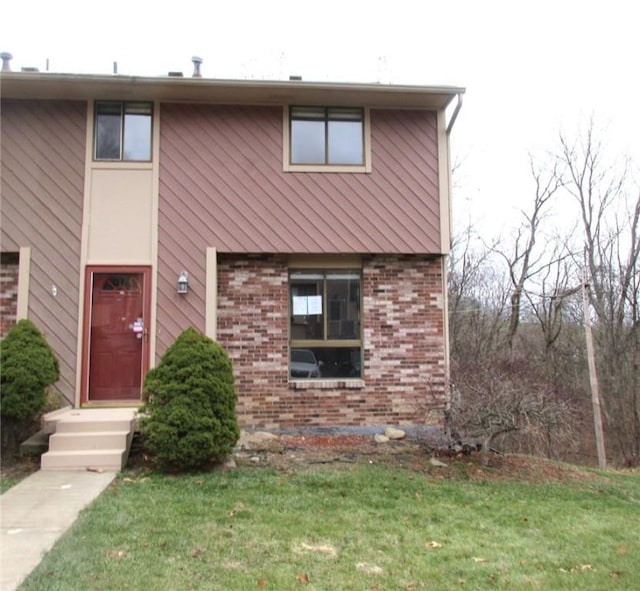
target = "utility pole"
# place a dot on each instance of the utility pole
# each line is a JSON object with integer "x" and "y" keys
{"x": 593, "y": 377}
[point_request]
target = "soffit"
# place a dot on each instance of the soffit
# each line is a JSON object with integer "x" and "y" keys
{"x": 204, "y": 90}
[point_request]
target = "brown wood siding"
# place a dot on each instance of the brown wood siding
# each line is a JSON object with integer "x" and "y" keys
{"x": 43, "y": 150}
{"x": 222, "y": 185}
{"x": 221, "y": 178}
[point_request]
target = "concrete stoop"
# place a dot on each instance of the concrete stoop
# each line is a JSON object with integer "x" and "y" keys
{"x": 89, "y": 439}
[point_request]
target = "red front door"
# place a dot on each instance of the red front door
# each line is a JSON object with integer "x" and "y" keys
{"x": 116, "y": 341}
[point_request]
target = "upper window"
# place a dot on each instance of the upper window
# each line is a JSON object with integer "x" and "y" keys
{"x": 123, "y": 131}
{"x": 325, "y": 324}
{"x": 327, "y": 139}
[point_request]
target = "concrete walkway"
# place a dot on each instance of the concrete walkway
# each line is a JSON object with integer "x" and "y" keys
{"x": 36, "y": 512}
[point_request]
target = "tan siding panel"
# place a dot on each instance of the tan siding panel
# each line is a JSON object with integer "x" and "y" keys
{"x": 43, "y": 148}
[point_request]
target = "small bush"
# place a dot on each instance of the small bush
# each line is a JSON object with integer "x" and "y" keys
{"x": 191, "y": 404}
{"x": 27, "y": 368}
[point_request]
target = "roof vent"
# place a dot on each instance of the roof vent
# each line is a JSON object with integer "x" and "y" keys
{"x": 176, "y": 74}
{"x": 295, "y": 78}
{"x": 29, "y": 69}
{"x": 196, "y": 66}
{"x": 6, "y": 61}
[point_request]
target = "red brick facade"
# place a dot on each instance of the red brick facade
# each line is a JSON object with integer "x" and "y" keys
{"x": 8, "y": 291}
{"x": 404, "y": 372}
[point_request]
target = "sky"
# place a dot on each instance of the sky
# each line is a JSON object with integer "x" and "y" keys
{"x": 530, "y": 69}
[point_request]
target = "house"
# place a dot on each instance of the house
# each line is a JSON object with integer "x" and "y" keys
{"x": 303, "y": 225}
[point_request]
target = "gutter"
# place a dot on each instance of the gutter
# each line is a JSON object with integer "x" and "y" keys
{"x": 455, "y": 114}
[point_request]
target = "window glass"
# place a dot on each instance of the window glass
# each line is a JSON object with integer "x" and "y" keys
{"x": 137, "y": 131}
{"x": 108, "y": 118}
{"x": 307, "y": 142}
{"x": 343, "y": 308}
{"x": 325, "y": 324}
{"x": 345, "y": 142}
{"x": 326, "y": 362}
{"x": 306, "y": 306}
{"x": 327, "y": 136}
{"x": 123, "y": 131}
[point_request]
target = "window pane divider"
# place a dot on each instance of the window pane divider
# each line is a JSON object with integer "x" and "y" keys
{"x": 336, "y": 344}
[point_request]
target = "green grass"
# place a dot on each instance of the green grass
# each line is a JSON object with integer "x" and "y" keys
{"x": 364, "y": 527}
{"x": 7, "y": 482}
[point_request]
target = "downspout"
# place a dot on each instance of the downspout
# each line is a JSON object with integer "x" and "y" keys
{"x": 445, "y": 280}
{"x": 455, "y": 114}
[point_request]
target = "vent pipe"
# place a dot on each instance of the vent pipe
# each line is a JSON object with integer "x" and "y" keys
{"x": 196, "y": 66}
{"x": 6, "y": 61}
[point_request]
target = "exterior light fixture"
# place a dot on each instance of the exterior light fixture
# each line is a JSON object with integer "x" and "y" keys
{"x": 183, "y": 283}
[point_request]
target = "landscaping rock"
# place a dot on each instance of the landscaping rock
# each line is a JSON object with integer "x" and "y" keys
{"x": 438, "y": 463}
{"x": 393, "y": 433}
{"x": 260, "y": 440}
{"x": 379, "y": 438}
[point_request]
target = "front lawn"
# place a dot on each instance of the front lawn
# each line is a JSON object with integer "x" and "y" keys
{"x": 362, "y": 527}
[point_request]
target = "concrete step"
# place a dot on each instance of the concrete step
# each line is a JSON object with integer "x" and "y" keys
{"x": 36, "y": 445}
{"x": 96, "y": 420}
{"x": 105, "y": 459}
{"x": 97, "y": 438}
{"x": 89, "y": 440}
{"x": 50, "y": 419}
{"x": 71, "y": 425}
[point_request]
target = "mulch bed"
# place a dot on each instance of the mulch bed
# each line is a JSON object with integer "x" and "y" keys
{"x": 305, "y": 451}
{"x": 301, "y": 450}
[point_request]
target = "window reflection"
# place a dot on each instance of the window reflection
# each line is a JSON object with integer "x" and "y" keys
{"x": 345, "y": 142}
{"x": 307, "y": 145}
{"x": 327, "y": 135}
{"x": 123, "y": 131}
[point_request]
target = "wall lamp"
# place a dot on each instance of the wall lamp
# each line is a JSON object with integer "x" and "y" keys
{"x": 183, "y": 282}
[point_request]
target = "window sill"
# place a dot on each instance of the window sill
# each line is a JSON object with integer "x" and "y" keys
{"x": 122, "y": 164}
{"x": 325, "y": 168}
{"x": 345, "y": 384}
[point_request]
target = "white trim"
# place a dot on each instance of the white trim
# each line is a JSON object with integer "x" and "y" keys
{"x": 444, "y": 184}
{"x": 211, "y": 293}
{"x": 124, "y": 164}
{"x": 84, "y": 249}
{"x": 24, "y": 277}
{"x": 118, "y": 262}
{"x": 155, "y": 205}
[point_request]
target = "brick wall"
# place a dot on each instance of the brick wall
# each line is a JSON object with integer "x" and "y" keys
{"x": 403, "y": 375}
{"x": 8, "y": 291}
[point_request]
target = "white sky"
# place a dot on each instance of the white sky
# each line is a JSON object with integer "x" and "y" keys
{"x": 530, "y": 68}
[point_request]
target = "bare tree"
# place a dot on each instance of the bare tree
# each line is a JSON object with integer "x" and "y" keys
{"x": 516, "y": 322}
{"x": 610, "y": 219}
{"x": 477, "y": 298}
{"x": 523, "y": 261}
{"x": 511, "y": 397}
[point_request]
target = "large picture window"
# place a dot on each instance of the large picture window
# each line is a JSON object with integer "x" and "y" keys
{"x": 123, "y": 130}
{"x": 325, "y": 324}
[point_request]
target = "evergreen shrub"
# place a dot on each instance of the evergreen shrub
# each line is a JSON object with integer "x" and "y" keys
{"x": 190, "y": 412}
{"x": 28, "y": 367}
